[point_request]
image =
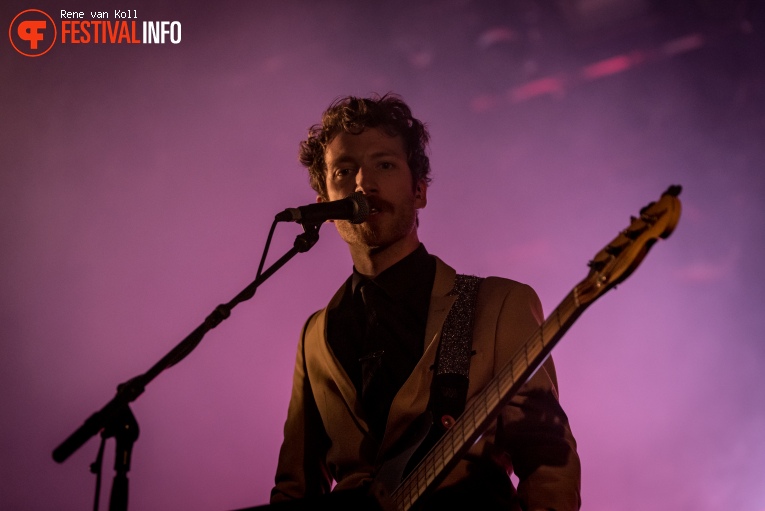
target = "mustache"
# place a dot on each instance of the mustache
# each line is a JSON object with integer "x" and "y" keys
{"x": 378, "y": 204}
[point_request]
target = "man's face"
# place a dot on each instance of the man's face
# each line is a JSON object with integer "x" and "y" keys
{"x": 374, "y": 163}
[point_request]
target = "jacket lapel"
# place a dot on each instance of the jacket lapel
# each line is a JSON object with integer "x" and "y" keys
{"x": 411, "y": 401}
{"x": 334, "y": 368}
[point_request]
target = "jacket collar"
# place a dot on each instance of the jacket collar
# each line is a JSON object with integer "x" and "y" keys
{"x": 411, "y": 401}
{"x": 412, "y": 398}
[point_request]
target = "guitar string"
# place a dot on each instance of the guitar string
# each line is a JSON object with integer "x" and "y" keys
{"x": 507, "y": 373}
{"x": 418, "y": 482}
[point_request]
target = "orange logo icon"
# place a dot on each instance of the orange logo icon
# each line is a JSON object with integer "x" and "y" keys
{"x": 32, "y": 33}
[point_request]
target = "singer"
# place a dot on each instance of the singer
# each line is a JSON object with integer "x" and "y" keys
{"x": 395, "y": 342}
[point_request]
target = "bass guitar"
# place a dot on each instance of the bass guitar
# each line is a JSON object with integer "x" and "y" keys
{"x": 609, "y": 267}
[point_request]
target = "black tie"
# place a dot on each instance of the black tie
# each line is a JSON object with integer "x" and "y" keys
{"x": 376, "y": 391}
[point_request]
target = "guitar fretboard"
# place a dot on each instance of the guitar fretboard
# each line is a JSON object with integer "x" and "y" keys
{"x": 611, "y": 265}
{"x": 486, "y": 405}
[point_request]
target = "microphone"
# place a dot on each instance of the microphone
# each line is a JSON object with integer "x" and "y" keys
{"x": 354, "y": 208}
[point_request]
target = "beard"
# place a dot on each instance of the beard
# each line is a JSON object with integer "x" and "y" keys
{"x": 395, "y": 222}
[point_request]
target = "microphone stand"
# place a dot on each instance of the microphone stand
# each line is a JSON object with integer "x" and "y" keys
{"x": 116, "y": 419}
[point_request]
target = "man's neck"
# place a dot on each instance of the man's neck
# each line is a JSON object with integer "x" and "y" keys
{"x": 371, "y": 262}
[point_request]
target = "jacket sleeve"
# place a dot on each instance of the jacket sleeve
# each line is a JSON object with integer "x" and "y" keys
{"x": 302, "y": 470}
{"x": 533, "y": 428}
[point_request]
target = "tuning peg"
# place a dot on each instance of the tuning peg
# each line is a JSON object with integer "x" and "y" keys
{"x": 634, "y": 234}
{"x": 650, "y": 219}
{"x": 614, "y": 250}
{"x": 646, "y": 208}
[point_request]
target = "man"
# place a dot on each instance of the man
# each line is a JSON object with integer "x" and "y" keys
{"x": 365, "y": 363}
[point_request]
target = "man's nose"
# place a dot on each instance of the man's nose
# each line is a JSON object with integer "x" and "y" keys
{"x": 366, "y": 180}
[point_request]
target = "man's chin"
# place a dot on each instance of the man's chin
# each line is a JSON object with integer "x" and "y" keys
{"x": 360, "y": 234}
{"x": 371, "y": 237}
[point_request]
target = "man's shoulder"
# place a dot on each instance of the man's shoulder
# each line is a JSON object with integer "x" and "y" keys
{"x": 491, "y": 285}
{"x": 507, "y": 289}
{"x": 341, "y": 293}
{"x": 312, "y": 321}
{"x": 505, "y": 294}
{"x": 504, "y": 283}
{"x": 319, "y": 316}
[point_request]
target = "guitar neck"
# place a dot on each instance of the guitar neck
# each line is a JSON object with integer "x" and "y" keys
{"x": 611, "y": 265}
{"x": 486, "y": 405}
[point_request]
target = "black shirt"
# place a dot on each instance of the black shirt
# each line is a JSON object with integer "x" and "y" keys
{"x": 386, "y": 351}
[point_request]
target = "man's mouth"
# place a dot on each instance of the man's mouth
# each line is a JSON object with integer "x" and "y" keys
{"x": 374, "y": 207}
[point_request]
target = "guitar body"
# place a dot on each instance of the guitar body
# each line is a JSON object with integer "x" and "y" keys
{"x": 391, "y": 473}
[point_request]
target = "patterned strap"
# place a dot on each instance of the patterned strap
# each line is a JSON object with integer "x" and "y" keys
{"x": 448, "y": 393}
{"x": 457, "y": 335}
{"x": 452, "y": 368}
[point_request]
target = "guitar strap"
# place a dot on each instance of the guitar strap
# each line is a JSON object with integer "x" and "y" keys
{"x": 448, "y": 392}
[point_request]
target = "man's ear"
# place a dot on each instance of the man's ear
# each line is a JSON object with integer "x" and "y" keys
{"x": 421, "y": 194}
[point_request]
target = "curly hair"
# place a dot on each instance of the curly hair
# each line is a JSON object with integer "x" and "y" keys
{"x": 353, "y": 115}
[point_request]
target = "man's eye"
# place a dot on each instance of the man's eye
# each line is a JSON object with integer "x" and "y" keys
{"x": 386, "y": 165}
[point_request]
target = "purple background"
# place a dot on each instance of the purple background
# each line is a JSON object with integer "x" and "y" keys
{"x": 138, "y": 184}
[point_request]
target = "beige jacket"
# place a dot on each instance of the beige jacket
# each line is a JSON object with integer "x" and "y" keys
{"x": 326, "y": 437}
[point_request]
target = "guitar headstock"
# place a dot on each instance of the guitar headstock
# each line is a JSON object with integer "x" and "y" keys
{"x": 623, "y": 254}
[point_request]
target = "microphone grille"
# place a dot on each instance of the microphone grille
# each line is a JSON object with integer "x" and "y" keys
{"x": 360, "y": 207}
